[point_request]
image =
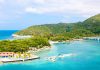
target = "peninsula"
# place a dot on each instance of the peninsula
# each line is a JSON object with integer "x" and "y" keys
{"x": 37, "y": 37}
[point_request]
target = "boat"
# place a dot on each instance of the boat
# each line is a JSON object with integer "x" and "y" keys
{"x": 52, "y": 58}
{"x": 65, "y": 55}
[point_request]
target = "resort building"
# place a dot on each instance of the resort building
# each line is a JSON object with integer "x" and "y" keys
{"x": 6, "y": 54}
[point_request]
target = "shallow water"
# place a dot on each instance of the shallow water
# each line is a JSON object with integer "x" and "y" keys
{"x": 87, "y": 57}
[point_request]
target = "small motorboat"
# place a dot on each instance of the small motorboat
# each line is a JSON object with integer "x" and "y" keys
{"x": 52, "y": 58}
{"x": 65, "y": 55}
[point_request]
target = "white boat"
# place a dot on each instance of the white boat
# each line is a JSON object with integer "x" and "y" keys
{"x": 65, "y": 55}
{"x": 52, "y": 58}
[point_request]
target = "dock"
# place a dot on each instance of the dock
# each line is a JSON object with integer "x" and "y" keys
{"x": 18, "y": 60}
{"x": 92, "y": 38}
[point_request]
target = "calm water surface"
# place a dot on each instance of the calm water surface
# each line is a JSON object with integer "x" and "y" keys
{"x": 6, "y": 34}
{"x": 87, "y": 57}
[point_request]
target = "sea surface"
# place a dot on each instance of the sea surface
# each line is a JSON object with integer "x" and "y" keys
{"x": 86, "y": 56}
{"x": 6, "y": 34}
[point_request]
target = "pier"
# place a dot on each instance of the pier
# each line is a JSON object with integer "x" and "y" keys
{"x": 92, "y": 38}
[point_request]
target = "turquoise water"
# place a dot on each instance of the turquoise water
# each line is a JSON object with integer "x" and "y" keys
{"x": 6, "y": 34}
{"x": 87, "y": 57}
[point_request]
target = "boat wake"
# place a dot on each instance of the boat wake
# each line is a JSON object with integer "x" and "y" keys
{"x": 66, "y": 55}
{"x": 54, "y": 58}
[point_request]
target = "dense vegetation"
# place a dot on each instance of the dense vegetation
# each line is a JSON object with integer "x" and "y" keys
{"x": 65, "y": 31}
{"x": 43, "y": 30}
{"x": 22, "y": 45}
{"x": 55, "y": 32}
{"x": 93, "y": 24}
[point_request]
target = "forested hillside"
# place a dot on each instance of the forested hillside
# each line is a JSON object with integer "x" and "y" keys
{"x": 89, "y": 27}
{"x": 41, "y": 34}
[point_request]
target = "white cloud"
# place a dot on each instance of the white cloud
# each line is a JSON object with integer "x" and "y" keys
{"x": 42, "y": 10}
{"x": 85, "y": 8}
{"x": 39, "y": 1}
{"x": 2, "y": 1}
{"x": 82, "y": 7}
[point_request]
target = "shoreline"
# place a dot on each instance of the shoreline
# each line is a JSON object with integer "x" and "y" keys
{"x": 35, "y": 50}
{"x": 20, "y": 36}
{"x": 33, "y": 56}
{"x": 53, "y": 42}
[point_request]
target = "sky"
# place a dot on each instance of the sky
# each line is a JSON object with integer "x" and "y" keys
{"x": 19, "y": 14}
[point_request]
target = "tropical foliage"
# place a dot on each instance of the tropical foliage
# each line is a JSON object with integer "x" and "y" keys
{"x": 55, "y": 32}
{"x": 22, "y": 45}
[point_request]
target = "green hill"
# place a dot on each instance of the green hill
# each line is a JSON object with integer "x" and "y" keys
{"x": 44, "y": 29}
{"x": 91, "y": 25}
{"x": 56, "y": 32}
{"x": 35, "y": 30}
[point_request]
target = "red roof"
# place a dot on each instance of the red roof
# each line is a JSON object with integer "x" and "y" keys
{"x": 6, "y": 53}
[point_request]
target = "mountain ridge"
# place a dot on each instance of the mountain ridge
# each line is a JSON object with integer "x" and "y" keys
{"x": 91, "y": 24}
